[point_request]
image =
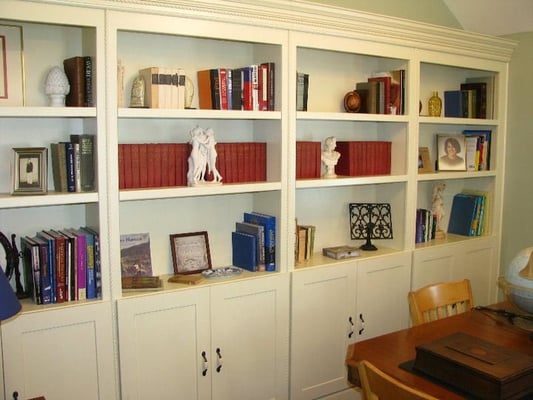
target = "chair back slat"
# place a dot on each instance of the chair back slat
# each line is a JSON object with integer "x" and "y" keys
{"x": 440, "y": 300}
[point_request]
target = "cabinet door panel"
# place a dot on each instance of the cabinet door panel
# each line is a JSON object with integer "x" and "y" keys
{"x": 249, "y": 325}
{"x": 161, "y": 343}
{"x": 433, "y": 265}
{"x": 382, "y": 287}
{"x": 323, "y": 301}
{"x": 75, "y": 344}
{"x": 477, "y": 263}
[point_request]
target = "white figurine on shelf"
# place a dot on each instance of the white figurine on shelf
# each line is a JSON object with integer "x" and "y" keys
{"x": 57, "y": 87}
{"x": 330, "y": 157}
{"x": 203, "y": 157}
{"x": 212, "y": 155}
{"x": 437, "y": 208}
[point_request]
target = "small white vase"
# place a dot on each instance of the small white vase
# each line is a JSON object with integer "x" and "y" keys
{"x": 56, "y": 87}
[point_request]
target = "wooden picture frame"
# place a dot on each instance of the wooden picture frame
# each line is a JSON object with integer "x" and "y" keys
{"x": 190, "y": 252}
{"x": 424, "y": 161}
{"x": 451, "y": 150}
{"x": 11, "y": 66}
{"x": 30, "y": 170}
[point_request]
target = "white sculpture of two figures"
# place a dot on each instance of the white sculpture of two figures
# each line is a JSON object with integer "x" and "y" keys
{"x": 203, "y": 158}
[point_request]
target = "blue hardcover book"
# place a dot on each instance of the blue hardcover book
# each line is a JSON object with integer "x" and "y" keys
{"x": 453, "y": 103}
{"x": 97, "y": 261}
{"x": 71, "y": 166}
{"x": 269, "y": 223}
{"x": 91, "y": 265}
{"x": 463, "y": 214}
{"x": 244, "y": 250}
{"x": 259, "y": 232}
{"x": 50, "y": 262}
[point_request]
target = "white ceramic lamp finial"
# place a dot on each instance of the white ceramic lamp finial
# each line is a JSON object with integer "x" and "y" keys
{"x": 56, "y": 87}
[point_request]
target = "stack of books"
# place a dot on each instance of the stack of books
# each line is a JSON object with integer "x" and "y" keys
{"x": 64, "y": 265}
{"x": 473, "y": 99}
{"x": 302, "y": 91}
{"x": 150, "y": 165}
{"x": 250, "y": 88}
{"x": 79, "y": 71}
{"x": 477, "y": 149}
{"x": 305, "y": 242}
{"x": 164, "y": 87}
{"x": 383, "y": 93}
{"x": 364, "y": 158}
{"x": 426, "y": 225}
{"x": 73, "y": 164}
{"x": 470, "y": 213}
{"x": 308, "y": 156}
{"x": 254, "y": 242}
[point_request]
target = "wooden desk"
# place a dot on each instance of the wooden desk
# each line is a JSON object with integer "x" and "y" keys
{"x": 387, "y": 352}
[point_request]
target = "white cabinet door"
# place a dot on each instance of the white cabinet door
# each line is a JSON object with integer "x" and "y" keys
{"x": 250, "y": 339}
{"x": 382, "y": 287}
{"x": 62, "y": 354}
{"x": 323, "y": 311}
{"x": 474, "y": 259}
{"x": 433, "y": 264}
{"x": 163, "y": 339}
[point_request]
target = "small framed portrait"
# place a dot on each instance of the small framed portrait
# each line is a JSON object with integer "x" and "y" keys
{"x": 29, "y": 170}
{"x": 11, "y": 66}
{"x": 451, "y": 152}
{"x": 190, "y": 252}
{"x": 424, "y": 161}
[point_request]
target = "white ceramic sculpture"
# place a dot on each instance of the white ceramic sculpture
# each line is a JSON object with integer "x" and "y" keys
{"x": 56, "y": 87}
{"x": 330, "y": 157}
{"x": 437, "y": 208}
{"x": 203, "y": 157}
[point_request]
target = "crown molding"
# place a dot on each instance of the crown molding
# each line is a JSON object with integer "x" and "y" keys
{"x": 304, "y": 16}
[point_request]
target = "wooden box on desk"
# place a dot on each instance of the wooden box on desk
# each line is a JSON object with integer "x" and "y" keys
{"x": 477, "y": 367}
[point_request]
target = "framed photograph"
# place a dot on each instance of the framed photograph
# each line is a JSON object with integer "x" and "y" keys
{"x": 29, "y": 170}
{"x": 190, "y": 252}
{"x": 424, "y": 161}
{"x": 11, "y": 66}
{"x": 451, "y": 152}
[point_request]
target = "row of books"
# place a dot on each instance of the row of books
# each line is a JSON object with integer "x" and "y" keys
{"x": 64, "y": 264}
{"x": 79, "y": 71}
{"x": 73, "y": 164}
{"x": 250, "y": 88}
{"x": 426, "y": 225}
{"x": 383, "y": 93}
{"x": 308, "y": 156}
{"x": 364, "y": 158}
{"x": 302, "y": 91}
{"x": 305, "y": 242}
{"x": 470, "y": 213}
{"x": 473, "y": 99}
{"x": 145, "y": 165}
{"x": 477, "y": 144}
{"x": 164, "y": 87}
{"x": 254, "y": 242}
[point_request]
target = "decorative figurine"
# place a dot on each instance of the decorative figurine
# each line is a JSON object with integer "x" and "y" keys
{"x": 330, "y": 157}
{"x": 56, "y": 87}
{"x": 437, "y": 208}
{"x": 137, "y": 93}
{"x": 203, "y": 157}
{"x": 189, "y": 92}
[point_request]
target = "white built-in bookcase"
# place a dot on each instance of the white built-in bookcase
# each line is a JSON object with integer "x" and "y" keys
{"x": 337, "y": 49}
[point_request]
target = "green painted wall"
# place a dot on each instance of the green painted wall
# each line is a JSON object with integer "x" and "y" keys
{"x": 518, "y": 202}
{"x": 430, "y": 11}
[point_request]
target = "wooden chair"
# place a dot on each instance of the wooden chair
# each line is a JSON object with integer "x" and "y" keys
{"x": 377, "y": 385}
{"x": 440, "y": 300}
